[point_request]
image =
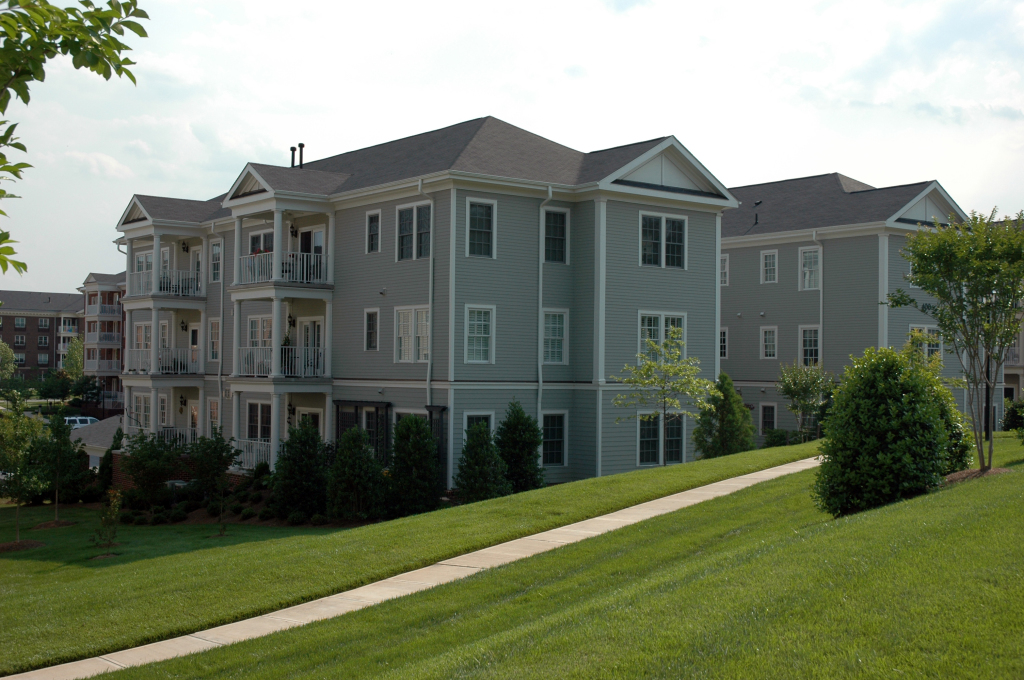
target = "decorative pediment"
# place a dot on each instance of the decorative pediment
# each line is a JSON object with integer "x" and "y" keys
{"x": 134, "y": 213}
{"x": 932, "y": 204}
{"x": 248, "y": 184}
{"x": 670, "y": 167}
{"x": 663, "y": 171}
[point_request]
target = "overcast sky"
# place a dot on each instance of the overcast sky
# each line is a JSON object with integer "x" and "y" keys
{"x": 885, "y": 92}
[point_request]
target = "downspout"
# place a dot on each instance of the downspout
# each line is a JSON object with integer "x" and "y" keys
{"x": 430, "y": 295}
{"x": 223, "y": 326}
{"x": 821, "y": 293}
{"x": 540, "y": 308}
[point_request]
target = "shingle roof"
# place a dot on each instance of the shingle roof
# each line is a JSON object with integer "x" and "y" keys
{"x": 813, "y": 203}
{"x": 106, "y": 278}
{"x": 31, "y": 301}
{"x": 99, "y": 435}
{"x": 177, "y": 209}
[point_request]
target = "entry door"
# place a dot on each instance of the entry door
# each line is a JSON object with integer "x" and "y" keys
{"x": 310, "y": 416}
{"x": 193, "y": 415}
{"x": 311, "y": 333}
{"x": 193, "y": 344}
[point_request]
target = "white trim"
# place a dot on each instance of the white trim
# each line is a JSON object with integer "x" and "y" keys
{"x": 800, "y": 342}
{"x": 465, "y": 421}
{"x": 220, "y": 416}
{"x": 209, "y": 274}
{"x": 568, "y": 220}
{"x": 494, "y": 225}
{"x": 565, "y": 336}
{"x": 800, "y": 267}
{"x": 494, "y": 333}
{"x": 366, "y": 231}
{"x": 300, "y": 410}
{"x": 723, "y": 257}
{"x": 366, "y": 311}
{"x": 760, "y": 416}
{"x": 762, "y": 267}
{"x": 663, "y": 233}
{"x": 639, "y": 422}
{"x": 760, "y": 342}
{"x": 565, "y": 436}
{"x": 883, "y": 290}
{"x": 415, "y": 223}
{"x": 720, "y": 329}
{"x": 662, "y": 330}
{"x": 405, "y": 308}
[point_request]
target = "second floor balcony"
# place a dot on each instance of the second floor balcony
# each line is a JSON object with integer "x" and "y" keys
{"x": 169, "y": 361}
{"x": 296, "y": 362}
{"x": 97, "y": 337}
{"x": 103, "y": 310}
{"x": 169, "y": 282}
{"x": 295, "y": 268}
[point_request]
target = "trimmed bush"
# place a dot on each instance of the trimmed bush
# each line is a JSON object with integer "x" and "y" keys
{"x": 237, "y": 508}
{"x": 178, "y": 515}
{"x": 248, "y": 513}
{"x": 150, "y": 463}
{"x": 885, "y": 438}
{"x": 266, "y": 513}
{"x": 318, "y": 520}
{"x": 356, "y": 483}
{"x": 158, "y": 518}
{"x": 141, "y": 519}
{"x": 481, "y": 472}
{"x": 414, "y": 473}
{"x": 300, "y": 480}
{"x": 255, "y": 497}
{"x": 518, "y": 439}
{"x": 261, "y": 476}
{"x": 725, "y": 426}
{"x": 1013, "y": 415}
{"x": 298, "y": 517}
{"x": 127, "y": 518}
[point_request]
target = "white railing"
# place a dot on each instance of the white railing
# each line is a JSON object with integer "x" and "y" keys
{"x": 178, "y": 361}
{"x": 140, "y": 283}
{"x": 256, "y": 268}
{"x": 178, "y": 436}
{"x": 302, "y": 362}
{"x": 109, "y": 365}
{"x": 94, "y": 337}
{"x": 104, "y": 310}
{"x": 254, "y": 361}
{"x": 138, "y": 360}
{"x": 180, "y": 283}
{"x": 254, "y": 451}
{"x": 303, "y": 268}
{"x": 92, "y": 365}
{"x": 1012, "y": 356}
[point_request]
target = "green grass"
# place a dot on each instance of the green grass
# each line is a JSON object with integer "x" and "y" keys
{"x": 56, "y": 604}
{"x": 758, "y": 584}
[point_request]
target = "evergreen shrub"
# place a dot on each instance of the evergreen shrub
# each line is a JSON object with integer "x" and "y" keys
{"x": 356, "y": 485}
{"x": 300, "y": 479}
{"x": 725, "y": 425}
{"x": 518, "y": 439}
{"x": 481, "y": 473}
{"x": 414, "y": 473}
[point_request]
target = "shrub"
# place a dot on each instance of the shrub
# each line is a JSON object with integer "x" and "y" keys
{"x": 517, "y": 439}
{"x": 261, "y": 475}
{"x": 255, "y": 497}
{"x": 178, "y": 515}
{"x": 127, "y": 517}
{"x": 141, "y": 519}
{"x": 211, "y": 457}
{"x": 266, "y": 513}
{"x": 237, "y": 508}
{"x": 91, "y": 494}
{"x": 106, "y": 473}
{"x": 298, "y": 517}
{"x": 300, "y": 480}
{"x": 481, "y": 473}
{"x": 213, "y": 509}
{"x": 318, "y": 520}
{"x": 725, "y": 425}
{"x": 356, "y": 483}
{"x": 1013, "y": 415}
{"x": 150, "y": 462}
{"x": 159, "y": 518}
{"x": 135, "y": 500}
{"x": 414, "y": 473}
{"x": 192, "y": 506}
{"x": 885, "y": 439}
{"x": 774, "y": 438}
{"x": 248, "y": 513}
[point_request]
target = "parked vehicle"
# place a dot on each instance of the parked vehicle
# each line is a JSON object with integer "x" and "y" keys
{"x": 79, "y": 421}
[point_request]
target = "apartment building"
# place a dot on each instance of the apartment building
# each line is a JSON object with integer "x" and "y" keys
{"x": 103, "y": 321}
{"x": 804, "y": 266}
{"x": 38, "y": 327}
{"x": 440, "y": 275}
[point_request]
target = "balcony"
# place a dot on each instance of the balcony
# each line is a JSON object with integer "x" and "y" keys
{"x": 296, "y": 362}
{"x": 103, "y": 364}
{"x": 104, "y": 310}
{"x": 174, "y": 282}
{"x": 256, "y": 268}
{"x": 93, "y": 337}
{"x": 295, "y": 268}
{"x": 175, "y": 436}
{"x": 178, "y": 361}
{"x": 254, "y": 361}
{"x": 253, "y": 452}
{"x": 138, "y": 360}
{"x": 1012, "y": 357}
{"x": 67, "y": 330}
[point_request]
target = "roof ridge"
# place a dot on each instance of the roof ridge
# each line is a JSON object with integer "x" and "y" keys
{"x": 623, "y": 146}
{"x": 490, "y": 119}
{"x": 402, "y": 139}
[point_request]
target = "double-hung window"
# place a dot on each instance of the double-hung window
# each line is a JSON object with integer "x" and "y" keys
{"x": 44, "y": 341}
{"x": 163, "y": 411}
{"x": 141, "y": 411}
{"x": 19, "y": 340}
{"x": 662, "y": 241}
{"x": 553, "y": 447}
{"x": 769, "y": 266}
{"x": 214, "y": 339}
{"x": 19, "y": 358}
{"x": 479, "y": 335}
{"x": 554, "y": 337}
{"x": 370, "y": 329}
{"x": 934, "y": 344}
{"x": 405, "y": 235}
{"x": 213, "y": 414}
{"x": 413, "y": 232}
{"x": 216, "y": 254}
{"x": 674, "y": 438}
{"x": 481, "y": 229}
{"x": 723, "y": 343}
{"x": 44, "y": 359}
{"x": 769, "y": 342}
{"x": 373, "y": 232}
{"x": 810, "y": 268}
{"x": 650, "y": 431}
{"x": 657, "y": 327}
{"x": 423, "y": 231}
{"x": 44, "y": 324}
{"x": 556, "y": 235}
{"x": 261, "y": 243}
{"x": 260, "y": 331}
{"x": 810, "y": 353}
{"x": 723, "y": 270}
{"x": 767, "y": 418}
{"x": 476, "y": 418}
{"x": 412, "y": 334}
{"x": 259, "y": 421}
{"x": 19, "y": 322}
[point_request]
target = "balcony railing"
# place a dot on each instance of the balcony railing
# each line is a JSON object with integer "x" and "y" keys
{"x": 94, "y": 337}
{"x": 140, "y": 283}
{"x": 138, "y": 360}
{"x": 254, "y": 361}
{"x": 178, "y": 361}
{"x": 67, "y": 330}
{"x": 295, "y": 268}
{"x": 302, "y": 362}
{"x": 178, "y": 436}
{"x": 1012, "y": 356}
{"x": 105, "y": 310}
{"x": 256, "y": 268}
{"x": 174, "y": 282}
{"x": 254, "y": 451}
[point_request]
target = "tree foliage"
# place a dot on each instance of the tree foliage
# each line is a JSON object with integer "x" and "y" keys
{"x": 211, "y": 458}
{"x": 300, "y": 474}
{"x": 7, "y": 364}
{"x": 150, "y": 462}
{"x": 725, "y": 425}
{"x": 973, "y": 275}
{"x": 55, "y": 386}
{"x": 807, "y": 388}
{"x": 481, "y": 473}
{"x": 62, "y": 462}
{"x": 414, "y": 471}
{"x": 356, "y": 482}
{"x": 74, "y": 359}
{"x": 518, "y": 438}
{"x": 20, "y": 478}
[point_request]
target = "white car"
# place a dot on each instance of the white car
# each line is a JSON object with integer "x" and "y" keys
{"x": 79, "y": 421}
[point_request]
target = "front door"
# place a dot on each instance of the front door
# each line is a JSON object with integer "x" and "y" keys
{"x": 310, "y": 334}
{"x": 310, "y": 417}
{"x": 193, "y": 345}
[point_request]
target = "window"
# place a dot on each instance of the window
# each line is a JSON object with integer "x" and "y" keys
{"x": 214, "y": 339}
{"x": 165, "y": 336}
{"x": 553, "y": 447}
{"x": 481, "y": 239}
{"x": 405, "y": 234}
{"x": 651, "y": 325}
{"x": 809, "y": 351}
{"x": 44, "y": 359}
{"x": 474, "y": 418}
{"x": 554, "y": 337}
{"x": 413, "y": 232}
{"x": 373, "y": 232}
{"x": 423, "y": 231}
{"x": 213, "y": 414}
{"x": 412, "y": 333}
{"x": 556, "y": 236}
{"x": 144, "y": 262}
{"x": 810, "y": 268}
{"x": 259, "y": 422}
{"x": 479, "y": 332}
{"x": 370, "y": 329}
{"x": 1, "y": 323}
{"x": 262, "y": 242}
{"x": 215, "y": 261}
{"x": 935, "y": 341}
{"x": 769, "y": 266}
{"x": 163, "y": 411}
{"x": 723, "y": 270}
{"x": 769, "y": 342}
{"x": 662, "y": 241}
{"x": 19, "y": 340}
{"x": 19, "y": 322}
{"x": 19, "y": 358}
{"x": 422, "y": 334}
{"x": 44, "y": 340}
{"x": 674, "y": 438}
{"x": 649, "y": 439}
{"x": 767, "y": 417}
{"x": 910, "y": 274}
{"x": 260, "y": 331}
{"x": 143, "y": 336}
{"x": 44, "y": 324}
{"x": 141, "y": 411}
{"x": 165, "y": 259}
{"x": 723, "y": 343}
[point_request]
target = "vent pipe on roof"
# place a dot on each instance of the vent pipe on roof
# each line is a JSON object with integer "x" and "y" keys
{"x": 301, "y": 147}
{"x": 293, "y": 156}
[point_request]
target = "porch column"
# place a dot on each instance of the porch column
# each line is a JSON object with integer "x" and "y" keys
{"x": 201, "y": 420}
{"x": 130, "y": 256}
{"x": 329, "y": 417}
{"x": 330, "y": 247}
{"x": 154, "y": 339}
{"x": 275, "y": 427}
{"x": 129, "y": 338}
{"x": 236, "y": 410}
{"x": 275, "y": 337}
{"x": 156, "y": 264}
{"x": 128, "y": 413}
{"x": 328, "y": 336}
{"x": 204, "y": 267}
{"x": 238, "y": 247}
{"x": 278, "y": 243}
{"x": 202, "y": 341}
{"x": 236, "y": 338}
{"x": 154, "y": 409}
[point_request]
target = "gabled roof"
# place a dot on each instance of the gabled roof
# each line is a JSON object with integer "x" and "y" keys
{"x": 95, "y": 277}
{"x": 179, "y": 209}
{"x": 813, "y": 203}
{"x": 31, "y": 301}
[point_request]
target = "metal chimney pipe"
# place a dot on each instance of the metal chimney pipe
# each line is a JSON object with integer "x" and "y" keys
{"x": 293, "y": 156}
{"x": 301, "y": 147}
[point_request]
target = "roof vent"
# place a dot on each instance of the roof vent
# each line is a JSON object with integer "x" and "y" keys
{"x": 301, "y": 147}
{"x": 293, "y": 156}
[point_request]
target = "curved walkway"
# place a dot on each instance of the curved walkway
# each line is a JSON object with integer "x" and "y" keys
{"x": 404, "y": 584}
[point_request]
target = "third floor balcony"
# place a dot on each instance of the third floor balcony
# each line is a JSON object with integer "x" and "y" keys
{"x": 169, "y": 361}
{"x": 169, "y": 282}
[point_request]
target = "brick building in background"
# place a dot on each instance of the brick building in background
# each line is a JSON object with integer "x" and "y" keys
{"x": 38, "y": 327}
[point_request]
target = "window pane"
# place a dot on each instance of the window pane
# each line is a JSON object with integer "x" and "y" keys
{"x": 403, "y": 329}
{"x": 675, "y": 231}
{"x": 372, "y": 233}
{"x": 810, "y": 346}
{"x": 254, "y": 421}
{"x": 215, "y": 262}
{"x": 649, "y": 441}
{"x": 769, "y": 268}
{"x": 767, "y": 418}
{"x": 423, "y": 231}
{"x": 723, "y": 270}
{"x": 371, "y": 330}
{"x": 480, "y": 229}
{"x": 768, "y": 343}
{"x": 479, "y": 335}
{"x": 650, "y": 329}
{"x": 422, "y": 334}
{"x": 810, "y": 269}
{"x": 554, "y": 439}
{"x": 651, "y": 237}
{"x": 405, "y": 234}
{"x": 473, "y": 420}
{"x": 723, "y": 343}
{"x": 554, "y": 338}
{"x": 674, "y": 439}
{"x": 554, "y": 237}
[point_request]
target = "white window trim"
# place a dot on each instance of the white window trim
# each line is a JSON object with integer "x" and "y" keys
{"x": 726, "y": 329}
{"x": 494, "y": 225}
{"x": 243, "y": 426}
{"x": 170, "y": 339}
{"x": 209, "y": 339}
{"x": 406, "y": 308}
{"x": 760, "y": 341}
{"x": 565, "y": 339}
{"x": 641, "y": 346}
{"x": 366, "y": 233}
{"x": 135, "y": 334}
{"x": 249, "y": 318}
{"x": 465, "y": 334}
{"x": 800, "y": 267}
{"x": 910, "y": 272}
{"x": 761, "y": 265}
{"x": 170, "y": 263}
{"x": 800, "y": 342}
{"x": 371, "y": 310}
{"x": 248, "y": 239}
{"x": 760, "y": 416}
{"x": 924, "y": 328}
{"x": 162, "y": 409}
{"x": 565, "y": 436}
{"x": 300, "y": 410}
{"x": 406, "y": 206}
{"x": 465, "y": 421}
{"x": 661, "y": 438}
{"x": 723, "y": 257}
{"x": 209, "y": 274}
{"x": 209, "y": 422}
{"x": 662, "y": 234}
{"x": 568, "y": 222}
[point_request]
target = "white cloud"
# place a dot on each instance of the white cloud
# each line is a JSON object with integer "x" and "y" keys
{"x": 101, "y": 164}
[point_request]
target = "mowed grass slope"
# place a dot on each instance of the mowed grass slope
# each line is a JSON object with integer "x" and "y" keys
{"x": 57, "y": 604}
{"x": 758, "y": 584}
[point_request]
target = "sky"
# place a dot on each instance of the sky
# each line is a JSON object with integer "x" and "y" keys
{"x": 886, "y": 92}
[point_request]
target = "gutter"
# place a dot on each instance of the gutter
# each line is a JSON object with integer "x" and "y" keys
{"x": 540, "y": 306}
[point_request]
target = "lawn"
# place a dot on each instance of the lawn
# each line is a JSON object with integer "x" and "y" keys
{"x": 758, "y": 584}
{"x": 57, "y": 604}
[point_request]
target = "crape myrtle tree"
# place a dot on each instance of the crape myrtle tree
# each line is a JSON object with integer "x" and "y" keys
{"x": 74, "y": 360}
{"x": 973, "y": 273}
{"x": 807, "y": 388}
{"x": 663, "y": 380}
{"x": 725, "y": 425}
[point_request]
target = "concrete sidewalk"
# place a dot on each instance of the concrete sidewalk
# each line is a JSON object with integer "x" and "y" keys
{"x": 404, "y": 584}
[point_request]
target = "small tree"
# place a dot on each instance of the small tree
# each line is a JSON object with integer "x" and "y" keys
{"x": 807, "y": 388}
{"x": 355, "y": 484}
{"x": 56, "y": 386}
{"x": 414, "y": 472}
{"x": 7, "y": 364}
{"x": 518, "y": 439}
{"x": 62, "y": 461}
{"x": 150, "y": 462}
{"x": 88, "y": 388}
{"x": 725, "y": 425}
{"x": 212, "y": 457}
{"x": 110, "y": 516}
{"x": 661, "y": 380}
{"x": 481, "y": 473}
{"x": 973, "y": 273}
{"x": 74, "y": 359}
{"x": 300, "y": 475}
{"x": 106, "y": 474}
{"x": 20, "y": 478}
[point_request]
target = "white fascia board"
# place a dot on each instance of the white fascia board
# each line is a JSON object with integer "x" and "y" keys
{"x": 936, "y": 187}
{"x": 699, "y": 202}
{"x": 801, "y": 235}
{"x": 248, "y": 169}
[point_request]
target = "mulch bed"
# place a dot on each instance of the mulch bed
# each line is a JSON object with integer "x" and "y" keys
{"x": 55, "y": 524}
{"x": 15, "y": 546}
{"x": 964, "y": 475}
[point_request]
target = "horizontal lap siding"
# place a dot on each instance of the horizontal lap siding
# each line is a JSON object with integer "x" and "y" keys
{"x": 850, "y": 284}
{"x": 559, "y": 294}
{"x": 581, "y": 331}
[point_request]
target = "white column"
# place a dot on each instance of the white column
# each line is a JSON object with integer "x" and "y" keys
{"x": 154, "y": 408}
{"x": 202, "y": 340}
{"x": 275, "y": 336}
{"x": 156, "y": 264}
{"x": 278, "y": 243}
{"x": 236, "y": 337}
{"x": 154, "y": 338}
{"x": 238, "y": 247}
{"x": 329, "y": 417}
{"x": 130, "y": 256}
{"x": 330, "y": 246}
{"x": 327, "y": 340}
{"x": 204, "y": 268}
{"x": 129, "y": 338}
{"x": 201, "y": 424}
{"x": 275, "y": 427}
{"x": 236, "y": 411}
